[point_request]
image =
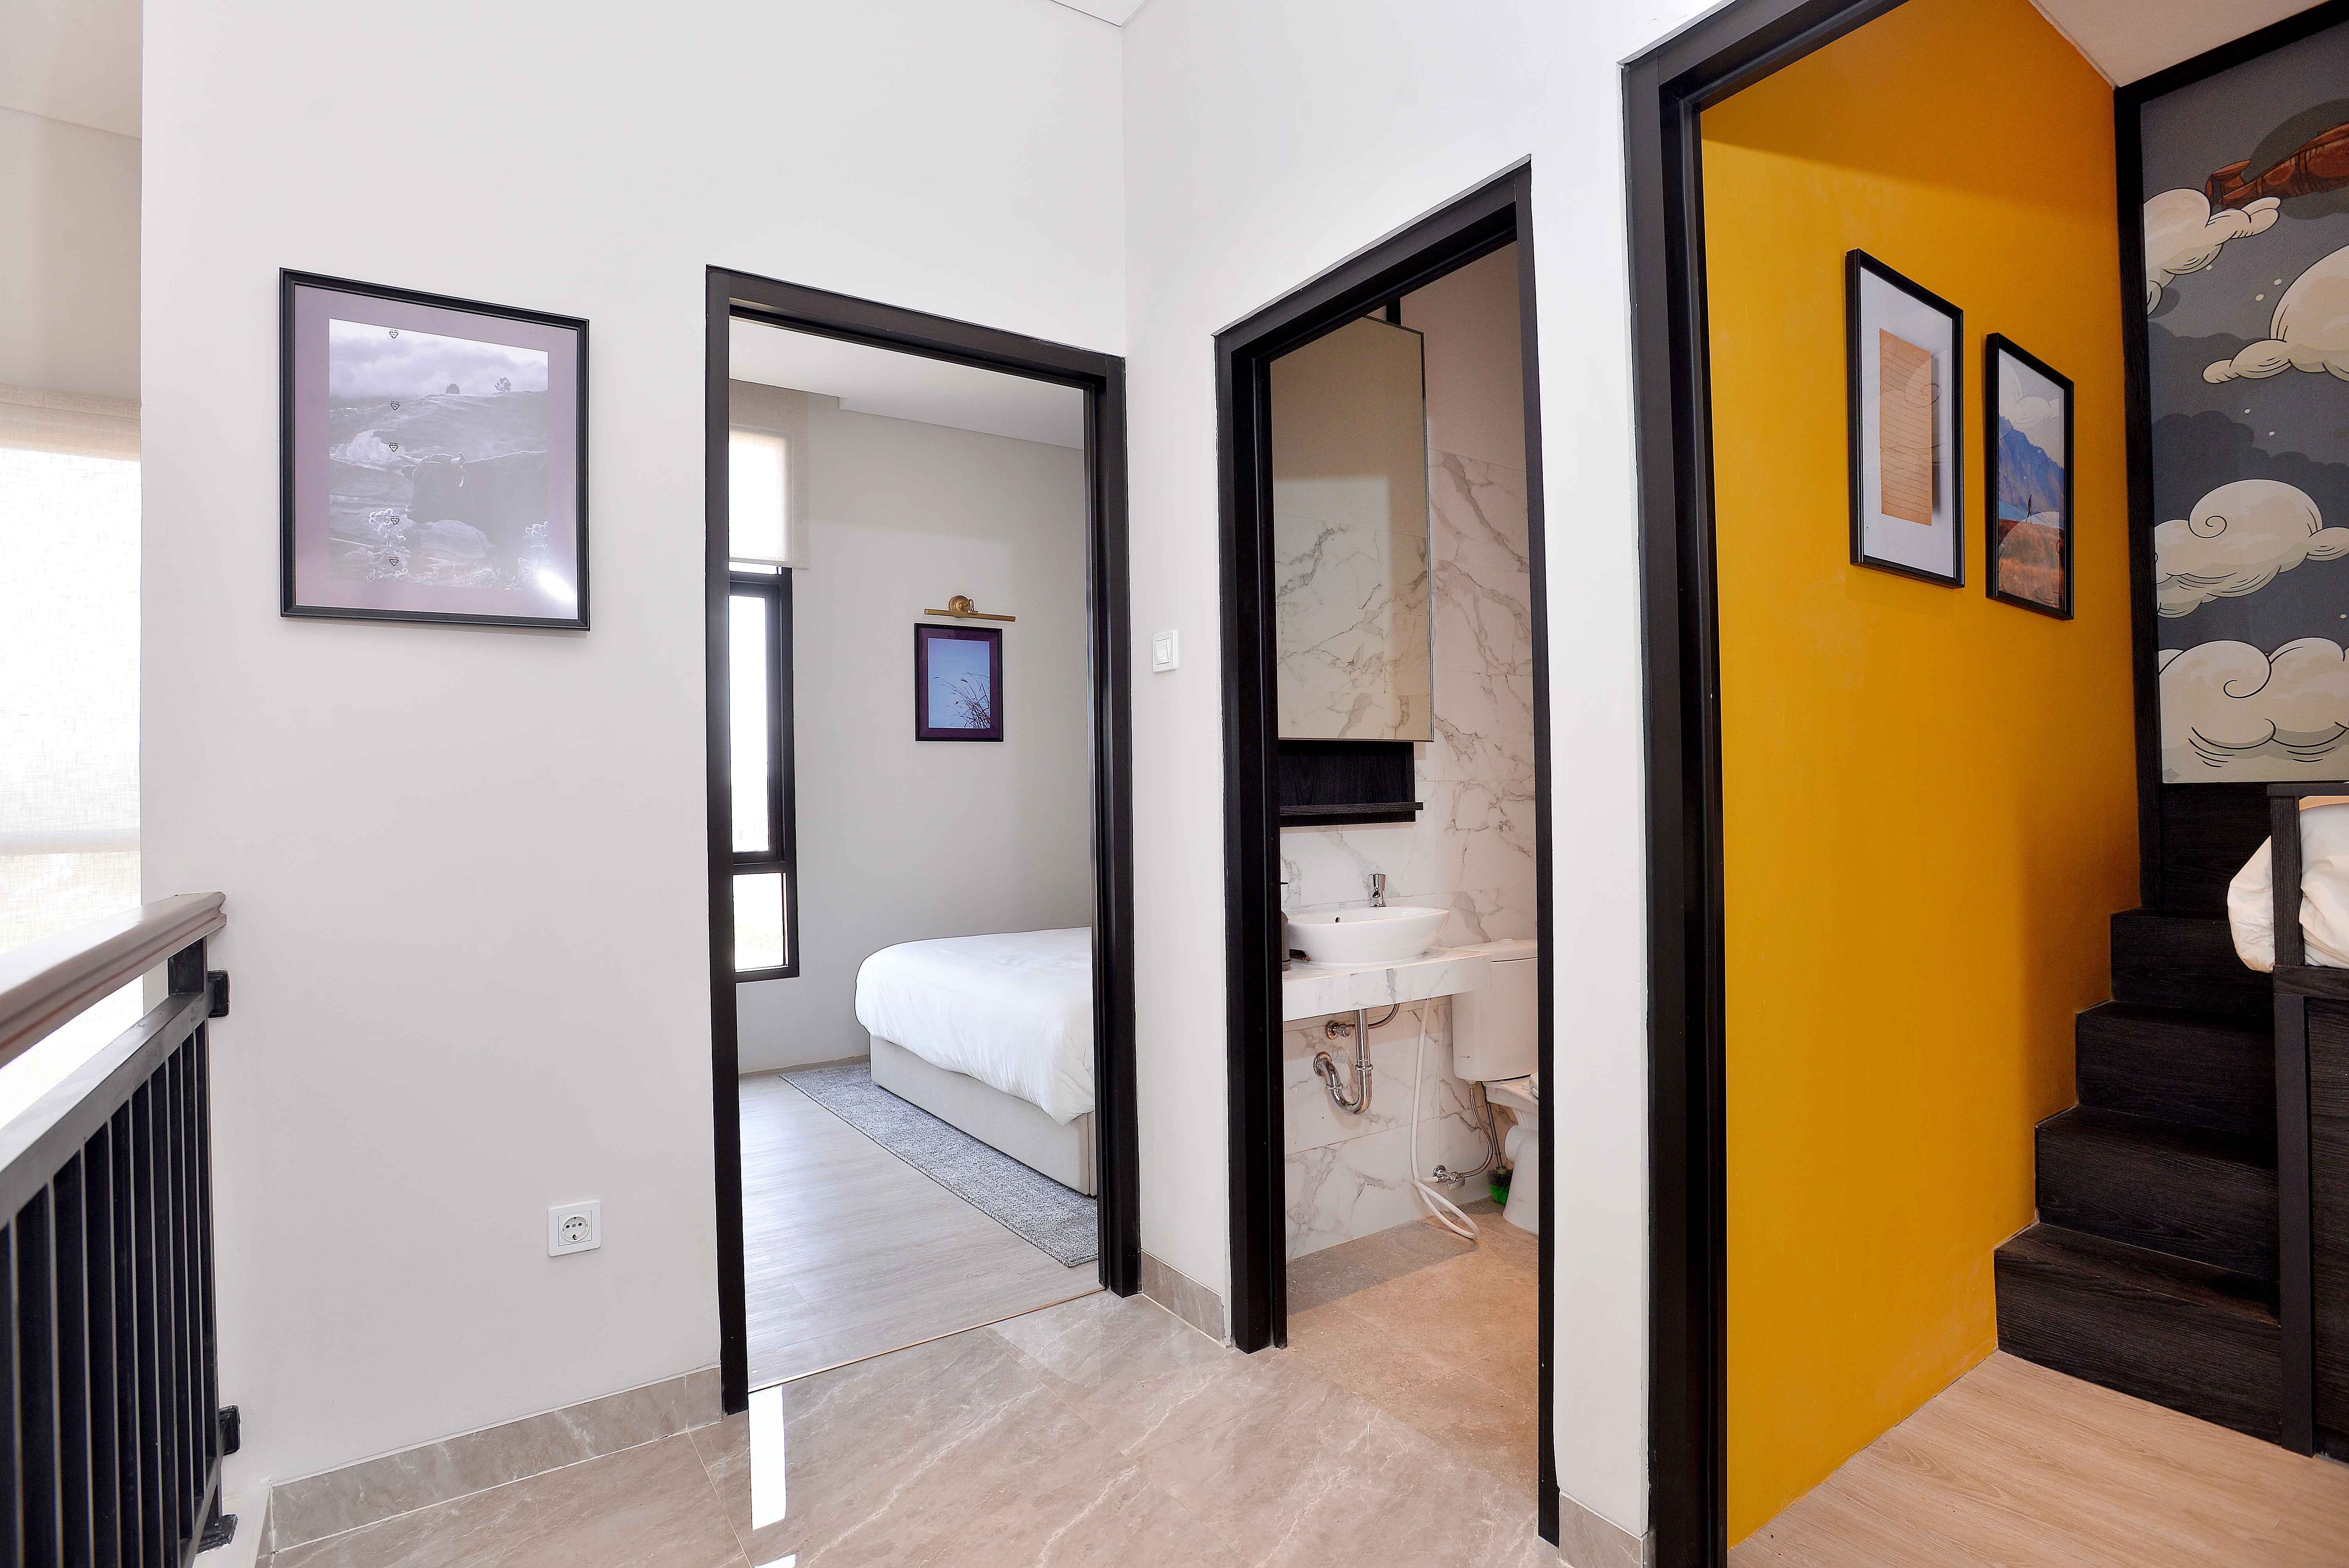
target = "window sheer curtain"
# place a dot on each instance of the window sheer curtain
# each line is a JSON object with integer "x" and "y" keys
{"x": 68, "y": 691}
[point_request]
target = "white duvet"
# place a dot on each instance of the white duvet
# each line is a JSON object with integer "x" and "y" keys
{"x": 2324, "y": 894}
{"x": 1014, "y": 1010}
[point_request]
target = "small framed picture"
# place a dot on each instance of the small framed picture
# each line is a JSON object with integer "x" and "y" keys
{"x": 432, "y": 458}
{"x": 957, "y": 683}
{"x": 1905, "y": 367}
{"x": 2027, "y": 415}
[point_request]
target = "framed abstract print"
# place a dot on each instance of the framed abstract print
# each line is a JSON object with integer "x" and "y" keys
{"x": 432, "y": 458}
{"x": 1905, "y": 366}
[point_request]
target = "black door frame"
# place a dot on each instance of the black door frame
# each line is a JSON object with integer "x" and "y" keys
{"x": 1101, "y": 377}
{"x": 1665, "y": 92}
{"x": 1485, "y": 219}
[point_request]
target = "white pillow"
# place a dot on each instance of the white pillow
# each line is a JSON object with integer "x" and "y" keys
{"x": 2323, "y": 893}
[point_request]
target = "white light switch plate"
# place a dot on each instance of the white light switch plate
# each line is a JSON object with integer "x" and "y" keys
{"x": 575, "y": 1227}
{"x": 1166, "y": 652}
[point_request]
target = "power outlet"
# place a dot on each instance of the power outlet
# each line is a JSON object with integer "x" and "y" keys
{"x": 575, "y": 1227}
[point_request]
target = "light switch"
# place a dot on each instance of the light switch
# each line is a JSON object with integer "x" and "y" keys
{"x": 1166, "y": 652}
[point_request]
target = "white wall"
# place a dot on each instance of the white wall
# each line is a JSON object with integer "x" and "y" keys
{"x": 903, "y": 838}
{"x": 465, "y": 867}
{"x": 69, "y": 257}
{"x": 1267, "y": 140}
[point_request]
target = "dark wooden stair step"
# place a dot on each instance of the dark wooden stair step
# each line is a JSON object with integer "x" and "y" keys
{"x": 2197, "y": 1069}
{"x": 2179, "y": 1333}
{"x": 2206, "y": 1196}
{"x": 2184, "y": 961}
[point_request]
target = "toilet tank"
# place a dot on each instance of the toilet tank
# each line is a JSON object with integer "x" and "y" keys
{"x": 1492, "y": 1027}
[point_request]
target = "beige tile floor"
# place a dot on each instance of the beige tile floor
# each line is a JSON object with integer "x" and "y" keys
{"x": 1439, "y": 1332}
{"x": 850, "y": 1252}
{"x": 1102, "y": 1431}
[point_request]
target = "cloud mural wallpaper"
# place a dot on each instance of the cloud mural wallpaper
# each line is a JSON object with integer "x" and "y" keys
{"x": 2247, "y": 335}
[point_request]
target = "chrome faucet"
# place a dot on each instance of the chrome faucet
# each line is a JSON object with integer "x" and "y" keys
{"x": 1378, "y": 889}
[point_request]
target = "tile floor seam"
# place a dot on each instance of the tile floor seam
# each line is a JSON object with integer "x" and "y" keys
{"x": 717, "y": 1501}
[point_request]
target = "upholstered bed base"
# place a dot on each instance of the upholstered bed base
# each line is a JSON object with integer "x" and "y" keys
{"x": 996, "y": 1119}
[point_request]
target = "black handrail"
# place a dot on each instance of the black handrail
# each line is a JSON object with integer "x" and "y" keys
{"x": 110, "y": 1433}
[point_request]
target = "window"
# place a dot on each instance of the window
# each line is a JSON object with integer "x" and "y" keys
{"x": 759, "y": 674}
{"x": 759, "y": 506}
{"x": 69, "y": 693}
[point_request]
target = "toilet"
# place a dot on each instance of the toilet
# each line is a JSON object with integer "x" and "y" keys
{"x": 1494, "y": 1032}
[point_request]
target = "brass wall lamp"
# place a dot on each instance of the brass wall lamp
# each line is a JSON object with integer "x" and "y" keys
{"x": 962, "y": 609}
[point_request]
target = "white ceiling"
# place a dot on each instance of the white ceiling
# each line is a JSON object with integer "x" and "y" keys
{"x": 908, "y": 386}
{"x": 74, "y": 60}
{"x": 1117, "y": 11}
{"x": 2128, "y": 39}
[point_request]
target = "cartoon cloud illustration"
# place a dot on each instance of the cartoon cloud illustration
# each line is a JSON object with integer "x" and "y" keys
{"x": 2310, "y": 332}
{"x": 2183, "y": 235}
{"x": 2240, "y": 535}
{"x": 2229, "y": 711}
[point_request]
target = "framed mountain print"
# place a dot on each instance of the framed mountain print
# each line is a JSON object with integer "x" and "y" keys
{"x": 2027, "y": 429}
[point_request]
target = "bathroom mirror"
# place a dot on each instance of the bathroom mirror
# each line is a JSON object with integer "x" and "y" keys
{"x": 1348, "y": 439}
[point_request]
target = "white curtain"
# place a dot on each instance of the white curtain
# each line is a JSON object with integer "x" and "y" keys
{"x": 68, "y": 688}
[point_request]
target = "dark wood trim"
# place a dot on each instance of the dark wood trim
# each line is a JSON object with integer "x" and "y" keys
{"x": 1101, "y": 378}
{"x": 781, "y": 853}
{"x": 1995, "y": 346}
{"x": 1664, "y": 92}
{"x": 288, "y": 281}
{"x": 1481, "y": 221}
{"x": 2136, "y": 412}
{"x": 2296, "y": 983}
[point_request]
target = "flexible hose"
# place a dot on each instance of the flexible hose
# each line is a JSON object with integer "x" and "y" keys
{"x": 1459, "y": 1224}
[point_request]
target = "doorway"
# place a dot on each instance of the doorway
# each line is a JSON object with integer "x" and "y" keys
{"x": 912, "y": 1123}
{"x": 1346, "y": 779}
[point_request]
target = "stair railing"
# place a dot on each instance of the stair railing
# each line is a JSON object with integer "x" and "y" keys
{"x": 2297, "y": 983}
{"x": 111, "y": 1429}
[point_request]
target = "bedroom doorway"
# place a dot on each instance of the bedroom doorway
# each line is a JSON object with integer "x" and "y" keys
{"x": 1387, "y": 806}
{"x": 920, "y": 878}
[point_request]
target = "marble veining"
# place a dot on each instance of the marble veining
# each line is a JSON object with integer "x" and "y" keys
{"x": 1349, "y": 614}
{"x": 1311, "y": 990}
{"x": 1348, "y": 1176}
{"x": 1471, "y": 850}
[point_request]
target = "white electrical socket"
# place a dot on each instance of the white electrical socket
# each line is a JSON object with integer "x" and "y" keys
{"x": 575, "y": 1227}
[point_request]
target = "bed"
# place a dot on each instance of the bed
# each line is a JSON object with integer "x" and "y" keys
{"x": 2323, "y": 892}
{"x": 994, "y": 1035}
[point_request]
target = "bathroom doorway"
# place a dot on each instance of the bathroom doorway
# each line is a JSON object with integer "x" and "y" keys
{"x": 921, "y": 951}
{"x": 1387, "y": 820}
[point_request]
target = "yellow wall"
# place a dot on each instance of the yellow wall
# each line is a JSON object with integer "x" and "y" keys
{"x": 1930, "y": 805}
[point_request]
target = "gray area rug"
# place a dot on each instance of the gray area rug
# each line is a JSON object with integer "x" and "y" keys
{"x": 1028, "y": 1203}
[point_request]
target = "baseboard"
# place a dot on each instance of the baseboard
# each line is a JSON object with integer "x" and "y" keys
{"x": 318, "y": 1506}
{"x": 1186, "y": 1297}
{"x": 1588, "y": 1540}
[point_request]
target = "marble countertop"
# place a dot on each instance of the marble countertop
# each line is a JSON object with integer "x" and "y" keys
{"x": 1312, "y": 990}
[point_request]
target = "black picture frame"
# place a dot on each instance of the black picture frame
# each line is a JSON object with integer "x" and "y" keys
{"x": 302, "y": 529}
{"x": 1858, "y": 265}
{"x": 1995, "y": 346}
{"x": 924, "y": 638}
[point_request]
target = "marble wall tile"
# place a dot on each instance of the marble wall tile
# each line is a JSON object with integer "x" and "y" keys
{"x": 355, "y": 1495}
{"x": 1351, "y": 615}
{"x": 1186, "y": 1297}
{"x": 1472, "y": 849}
{"x": 1348, "y": 1176}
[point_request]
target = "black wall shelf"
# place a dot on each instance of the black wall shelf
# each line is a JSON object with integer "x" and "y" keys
{"x": 1336, "y": 783}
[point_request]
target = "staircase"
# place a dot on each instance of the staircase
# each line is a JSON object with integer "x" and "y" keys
{"x": 2152, "y": 1269}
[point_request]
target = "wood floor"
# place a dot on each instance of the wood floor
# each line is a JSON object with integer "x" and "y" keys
{"x": 851, "y": 1253}
{"x": 2017, "y": 1465}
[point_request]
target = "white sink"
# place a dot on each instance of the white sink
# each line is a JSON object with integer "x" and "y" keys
{"x": 1364, "y": 935}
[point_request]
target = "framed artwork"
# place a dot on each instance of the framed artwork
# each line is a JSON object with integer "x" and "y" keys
{"x": 1905, "y": 364}
{"x": 2027, "y": 418}
{"x": 432, "y": 458}
{"x": 957, "y": 683}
